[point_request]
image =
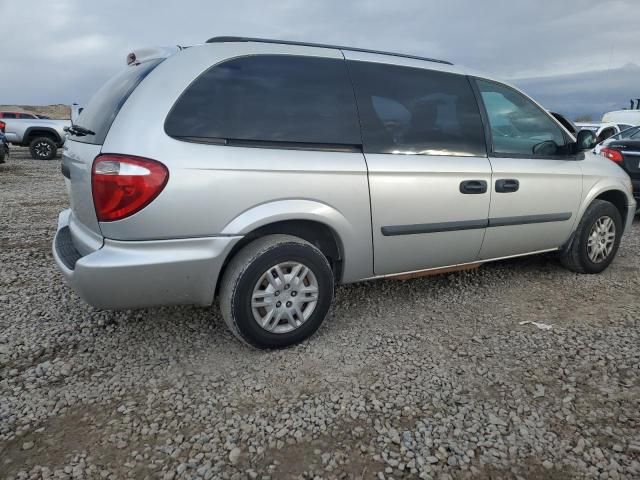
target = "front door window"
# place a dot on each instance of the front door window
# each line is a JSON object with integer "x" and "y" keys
{"x": 518, "y": 126}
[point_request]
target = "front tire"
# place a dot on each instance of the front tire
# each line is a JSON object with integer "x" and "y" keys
{"x": 276, "y": 291}
{"x": 596, "y": 240}
{"x": 43, "y": 148}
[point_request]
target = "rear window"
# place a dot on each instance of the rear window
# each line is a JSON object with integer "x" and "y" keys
{"x": 103, "y": 107}
{"x": 407, "y": 110}
{"x": 269, "y": 98}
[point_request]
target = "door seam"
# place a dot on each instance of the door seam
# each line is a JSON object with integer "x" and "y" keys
{"x": 366, "y": 165}
{"x": 484, "y": 234}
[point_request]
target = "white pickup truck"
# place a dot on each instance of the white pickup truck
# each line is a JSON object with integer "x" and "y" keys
{"x": 42, "y": 136}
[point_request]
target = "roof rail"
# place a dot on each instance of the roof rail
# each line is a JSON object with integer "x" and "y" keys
{"x": 319, "y": 45}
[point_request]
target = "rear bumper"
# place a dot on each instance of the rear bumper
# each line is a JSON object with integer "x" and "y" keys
{"x": 142, "y": 273}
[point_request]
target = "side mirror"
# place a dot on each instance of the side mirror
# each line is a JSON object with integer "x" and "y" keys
{"x": 586, "y": 140}
{"x": 547, "y": 148}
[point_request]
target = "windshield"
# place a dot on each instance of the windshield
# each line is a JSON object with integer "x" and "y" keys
{"x": 101, "y": 111}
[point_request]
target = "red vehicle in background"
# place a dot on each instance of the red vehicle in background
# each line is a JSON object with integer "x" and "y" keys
{"x": 22, "y": 115}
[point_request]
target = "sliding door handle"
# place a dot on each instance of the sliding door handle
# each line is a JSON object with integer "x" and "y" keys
{"x": 507, "y": 185}
{"x": 473, "y": 187}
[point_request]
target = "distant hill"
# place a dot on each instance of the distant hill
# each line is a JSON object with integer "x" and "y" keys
{"x": 59, "y": 111}
{"x": 585, "y": 94}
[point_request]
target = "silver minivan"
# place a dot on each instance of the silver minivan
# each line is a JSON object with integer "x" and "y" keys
{"x": 265, "y": 172}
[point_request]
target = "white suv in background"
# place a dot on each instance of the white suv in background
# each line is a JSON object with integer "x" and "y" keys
{"x": 603, "y": 130}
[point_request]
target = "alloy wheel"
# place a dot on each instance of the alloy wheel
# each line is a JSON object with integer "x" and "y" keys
{"x": 42, "y": 149}
{"x": 602, "y": 238}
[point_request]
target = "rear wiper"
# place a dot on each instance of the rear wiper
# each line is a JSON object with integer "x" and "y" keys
{"x": 78, "y": 131}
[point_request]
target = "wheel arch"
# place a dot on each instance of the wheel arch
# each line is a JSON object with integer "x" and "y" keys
{"x": 619, "y": 200}
{"x": 35, "y": 132}
{"x": 609, "y": 191}
{"x": 318, "y": 223}
{"x": 612, "y": 190}
{"x": 318, "y": 234}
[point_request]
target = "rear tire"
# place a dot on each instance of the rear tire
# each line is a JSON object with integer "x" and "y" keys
{"x": 276, "y": 291}
{"x": 43, "y": 148}
{"x": 596, "y": 241}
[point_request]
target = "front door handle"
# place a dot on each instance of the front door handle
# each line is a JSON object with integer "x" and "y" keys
{"x": 507, "y": 185}
{"x": 473, "y": 187}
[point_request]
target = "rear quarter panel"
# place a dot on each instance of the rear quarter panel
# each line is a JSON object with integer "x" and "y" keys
{"x": 219, "y": 190}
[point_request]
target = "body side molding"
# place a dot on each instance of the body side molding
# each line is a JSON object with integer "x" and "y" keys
{"x": 393, "y": 230}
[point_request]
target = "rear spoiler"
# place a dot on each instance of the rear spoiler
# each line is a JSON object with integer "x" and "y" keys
{"x": 142, "y": 54}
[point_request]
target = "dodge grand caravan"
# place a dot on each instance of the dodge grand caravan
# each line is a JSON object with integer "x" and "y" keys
{"x": 265, "y": 172}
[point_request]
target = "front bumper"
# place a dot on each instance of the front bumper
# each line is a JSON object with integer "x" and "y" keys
{"x": 138, "y": 274}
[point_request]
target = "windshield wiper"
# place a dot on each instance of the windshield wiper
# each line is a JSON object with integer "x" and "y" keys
{"x": 79, "y": 131}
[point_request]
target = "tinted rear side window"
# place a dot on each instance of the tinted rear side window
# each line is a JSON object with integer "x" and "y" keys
{"x": 274, "y": 98}
{"x": 416, "y": 111}
{"x": 103, "y": 107}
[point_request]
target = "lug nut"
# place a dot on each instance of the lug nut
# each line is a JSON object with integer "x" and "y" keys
{"x": 286, "y": 287}
{"x": 288, "y": 304}
{"x": 277, "y": 293}
{"x": 294, "y": 293}
{"x": 278, "y": 304}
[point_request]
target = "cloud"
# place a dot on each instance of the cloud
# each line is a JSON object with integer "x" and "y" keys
{"x": 587, "y": 93}
{"x": 62, "y": 51}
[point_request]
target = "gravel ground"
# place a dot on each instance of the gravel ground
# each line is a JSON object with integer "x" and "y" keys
{"x": 427, "y": 378}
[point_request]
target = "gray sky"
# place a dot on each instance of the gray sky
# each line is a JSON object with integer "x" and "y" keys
{"x": 61, "y": 51}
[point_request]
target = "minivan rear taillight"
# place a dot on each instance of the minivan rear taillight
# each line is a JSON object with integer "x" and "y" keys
{"x": 612, "y": 154}
{"x": 2, "y": 126}
{"x": 123, "y": 185}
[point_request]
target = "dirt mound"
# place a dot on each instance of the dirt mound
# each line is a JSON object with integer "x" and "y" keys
{"x": 59, "y": 111}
